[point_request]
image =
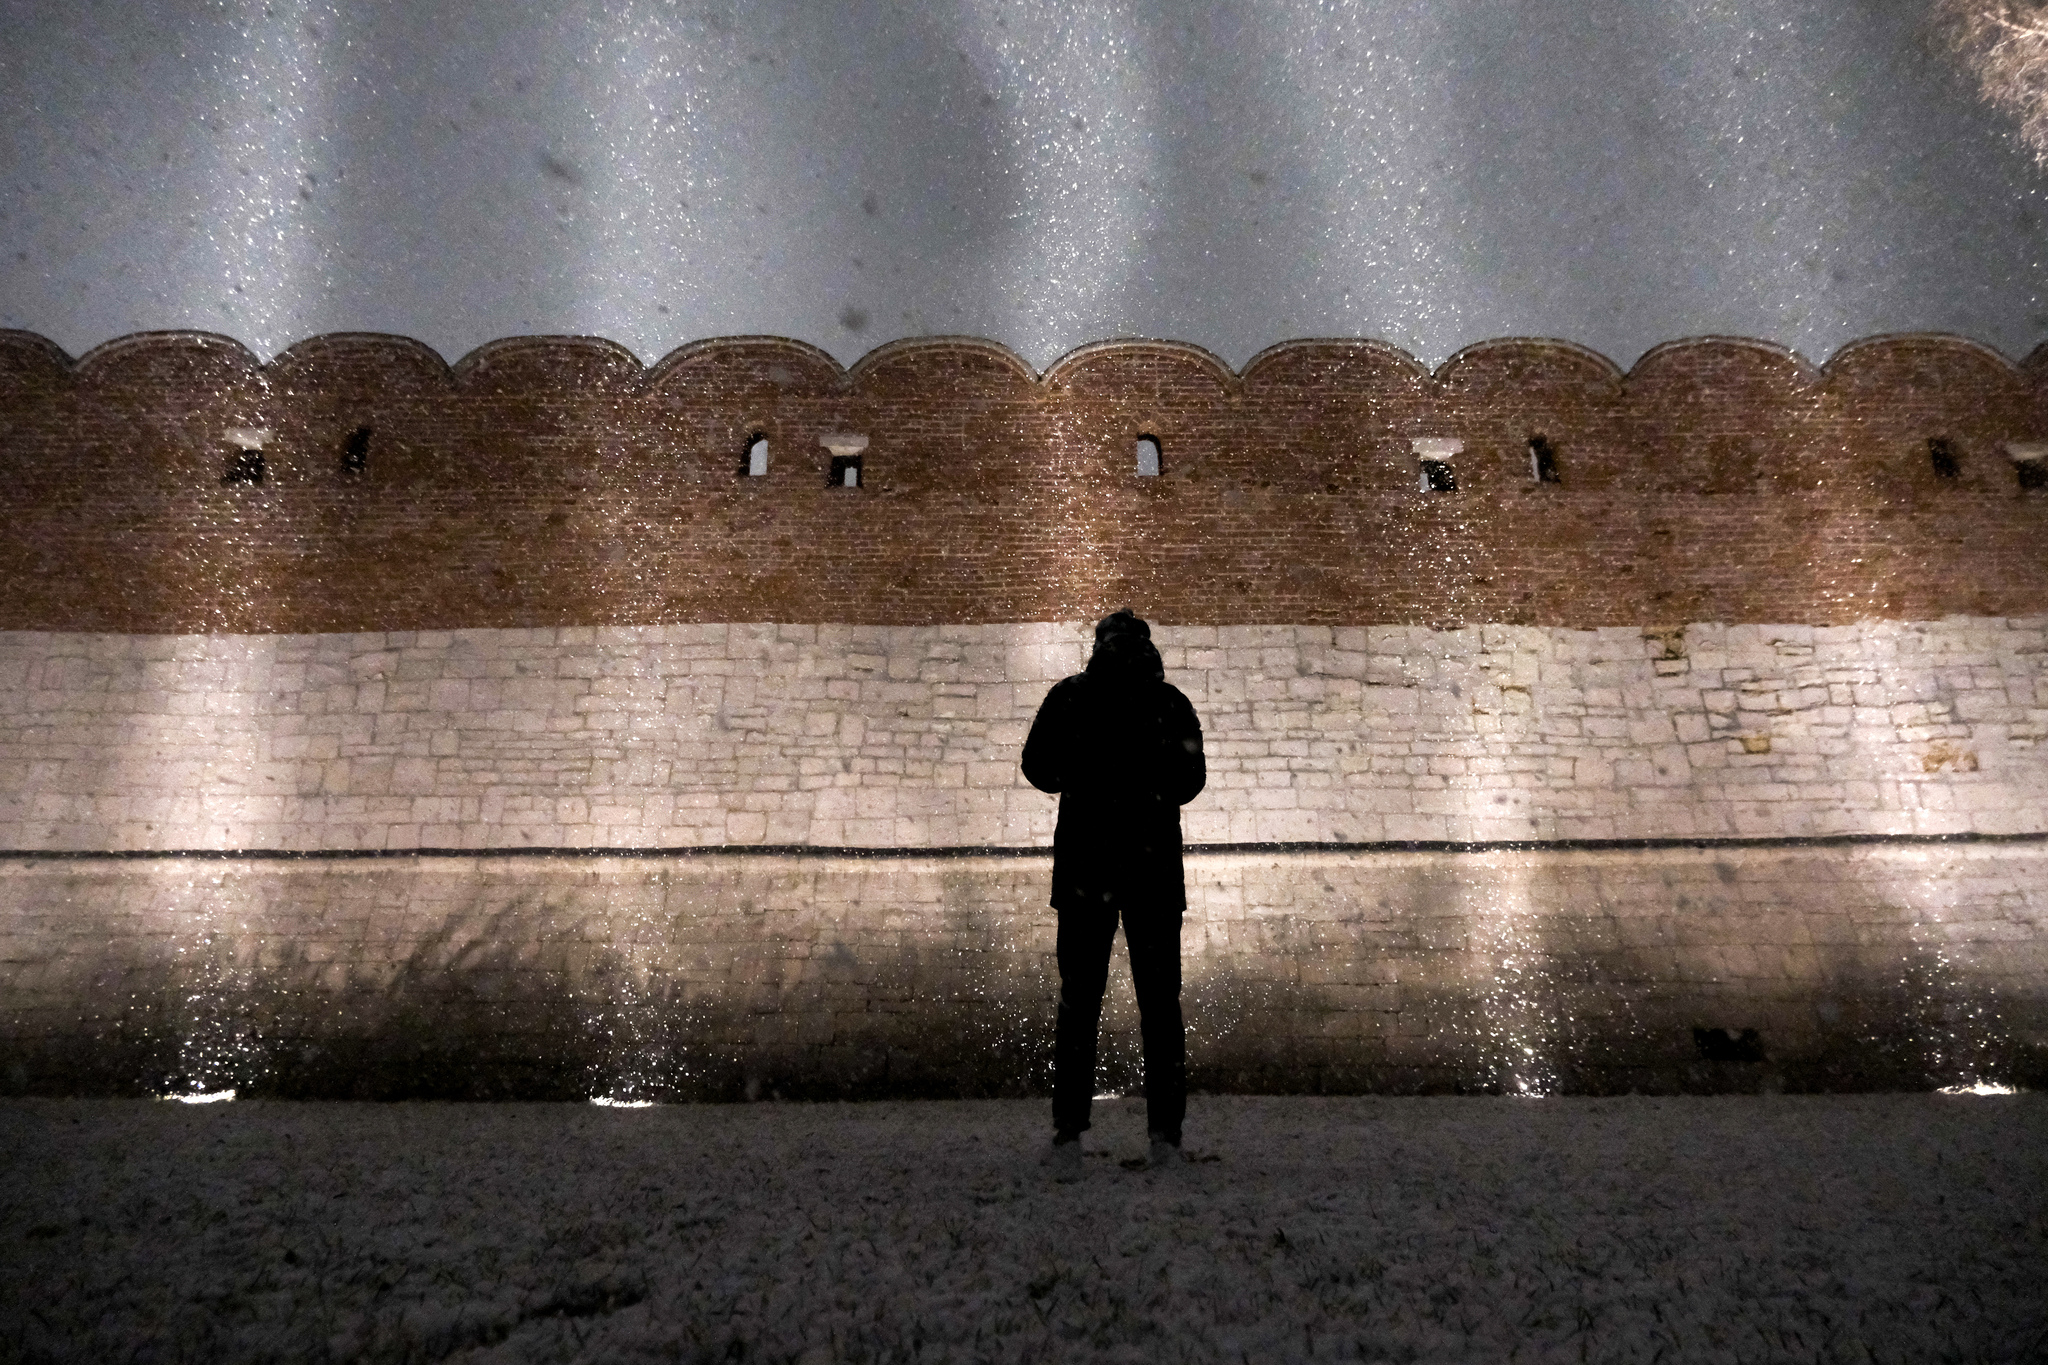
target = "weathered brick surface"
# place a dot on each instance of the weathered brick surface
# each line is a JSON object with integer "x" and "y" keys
{"x": 721, "y": 974}
{"x": 696, "y": 735}
{"x": 555, "y": 482}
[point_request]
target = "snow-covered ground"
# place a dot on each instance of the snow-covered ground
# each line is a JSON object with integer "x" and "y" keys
{"x": 1902, "y": 1227}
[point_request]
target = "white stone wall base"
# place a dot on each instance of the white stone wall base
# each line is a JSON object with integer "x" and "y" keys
{"x": 712, "y": 735}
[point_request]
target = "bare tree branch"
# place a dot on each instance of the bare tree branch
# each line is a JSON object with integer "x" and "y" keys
{"x": 2004, "y": 44}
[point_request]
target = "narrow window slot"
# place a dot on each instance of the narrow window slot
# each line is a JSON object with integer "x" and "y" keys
{"x": 1433, "y": 460}
{"x": 1543, "y": 460}
{"x": 1941, "y": 453}
{"x": 1148, "y": 457}
{"x": 246, "y": 465}
{"x": 846, "y": 448}
{"x": 355, "y": 453}
{"x": 2029, "y": 464}
{"x": 757, "y": 455}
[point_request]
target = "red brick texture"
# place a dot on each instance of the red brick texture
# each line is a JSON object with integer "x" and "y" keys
{"x": 557, "y": 481}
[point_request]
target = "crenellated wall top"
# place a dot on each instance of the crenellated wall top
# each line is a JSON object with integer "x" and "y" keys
{"x": 193, "y": 359}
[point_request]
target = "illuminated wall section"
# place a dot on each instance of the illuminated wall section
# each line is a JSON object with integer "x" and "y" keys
{"x": 528, "y": 729}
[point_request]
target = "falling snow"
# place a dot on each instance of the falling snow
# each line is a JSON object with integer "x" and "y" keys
{"x": 1619, "y": 173}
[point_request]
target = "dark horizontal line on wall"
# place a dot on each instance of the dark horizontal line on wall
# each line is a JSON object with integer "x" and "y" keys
{"x": 814, "y": 851}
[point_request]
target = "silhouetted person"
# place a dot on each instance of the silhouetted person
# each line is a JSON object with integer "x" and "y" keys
{"x": 1123, "y": 749}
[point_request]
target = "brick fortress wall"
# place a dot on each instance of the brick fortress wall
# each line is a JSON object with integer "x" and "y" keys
{"x": 554, "y": 481}
{"x": 1753, "y": 641}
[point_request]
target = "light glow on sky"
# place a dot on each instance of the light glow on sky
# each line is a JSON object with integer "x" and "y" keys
{"x": 1430, "y": 172}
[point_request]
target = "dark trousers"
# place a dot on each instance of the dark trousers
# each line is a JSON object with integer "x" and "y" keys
{"x": 1085, "y": 940}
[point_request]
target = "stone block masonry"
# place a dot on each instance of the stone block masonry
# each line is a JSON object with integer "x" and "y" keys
{"x": 908, "y": 736}
{"x": 840, "y": 879}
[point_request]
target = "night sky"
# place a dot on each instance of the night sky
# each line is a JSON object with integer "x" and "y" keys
{"x": 1615, "y": 172}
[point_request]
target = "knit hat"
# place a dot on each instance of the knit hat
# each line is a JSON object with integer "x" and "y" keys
{"x": 1124, "y": 650}
{"x": 1123, "y": 621}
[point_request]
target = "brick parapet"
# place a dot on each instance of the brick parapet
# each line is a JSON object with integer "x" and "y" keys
{"x": 546, "y": 481}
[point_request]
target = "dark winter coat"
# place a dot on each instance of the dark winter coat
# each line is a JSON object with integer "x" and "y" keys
{"x": 1123, "y": 750}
